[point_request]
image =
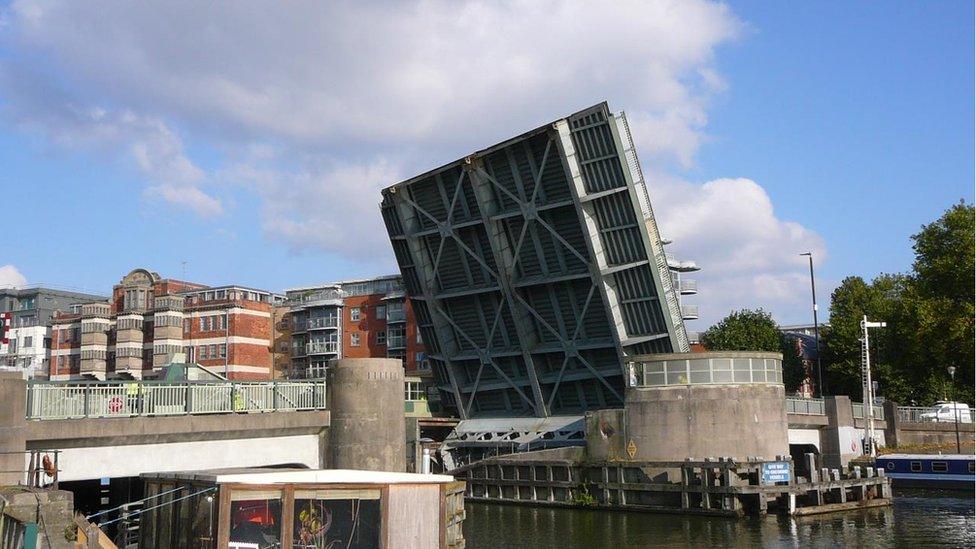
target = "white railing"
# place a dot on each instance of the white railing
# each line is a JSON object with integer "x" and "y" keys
{"x": 319, "y": 347}
{"x": 51, "y": 400}
{"x": 689, "y": 312}
{"x": 322, "y": 322}
{"x": 805, "y": 406}
{"x": 928, "y": 414}
{"x": 857, "y": 410}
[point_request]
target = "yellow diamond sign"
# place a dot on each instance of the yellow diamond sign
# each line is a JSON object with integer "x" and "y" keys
{"x": 631, "y": 449}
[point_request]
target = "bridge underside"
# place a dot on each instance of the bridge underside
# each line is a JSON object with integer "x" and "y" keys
{"x": 115, "y": 448}
{"x": 534, "y": 268}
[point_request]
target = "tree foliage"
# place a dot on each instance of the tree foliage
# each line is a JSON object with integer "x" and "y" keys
{"x": 755, "y": 330}
{"x": 744, "y": 330}
{"x": 929, "y": 315}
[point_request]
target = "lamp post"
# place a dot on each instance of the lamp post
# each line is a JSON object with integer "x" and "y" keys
{"x": 816, "y": 327}
{"x": 955, "y": 406}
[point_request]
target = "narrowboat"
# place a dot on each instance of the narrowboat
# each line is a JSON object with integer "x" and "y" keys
{"x": 929, "y": 470}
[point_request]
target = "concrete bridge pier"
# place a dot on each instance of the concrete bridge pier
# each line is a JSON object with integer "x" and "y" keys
{"x": 13, "y": 427}
{"x": 368, "y": 425}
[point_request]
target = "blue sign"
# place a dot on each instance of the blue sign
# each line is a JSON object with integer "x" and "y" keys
{"x": 775, "y": 471}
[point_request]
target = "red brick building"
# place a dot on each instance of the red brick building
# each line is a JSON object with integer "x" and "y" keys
{"x": 367, "y": 318}
{"x": 150, "y": 322}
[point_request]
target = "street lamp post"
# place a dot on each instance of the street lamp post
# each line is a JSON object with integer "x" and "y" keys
{"x": 955, "y": 406}
{"x": 816, "y": 327}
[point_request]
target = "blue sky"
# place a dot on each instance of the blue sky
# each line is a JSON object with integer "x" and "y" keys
{"x": 250, "y": 144}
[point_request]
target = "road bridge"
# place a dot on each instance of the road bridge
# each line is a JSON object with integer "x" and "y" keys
{"x": 122, "y": 430}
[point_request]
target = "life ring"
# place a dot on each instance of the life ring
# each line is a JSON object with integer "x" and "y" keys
{"x": 48, "y": 466}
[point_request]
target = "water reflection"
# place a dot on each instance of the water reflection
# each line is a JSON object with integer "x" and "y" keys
{"x": 918, "y": 518}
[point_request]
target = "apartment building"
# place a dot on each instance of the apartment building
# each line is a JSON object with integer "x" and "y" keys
{"x": 25, "y": 332}
{"x": 151, "y": 321}
{"x": 366, "y": 318}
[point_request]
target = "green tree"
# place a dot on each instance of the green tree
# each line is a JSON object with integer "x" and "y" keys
{"x": 755, "y": 330}
{"x": 929, "y": 315}
{"x": 744, "y": 330}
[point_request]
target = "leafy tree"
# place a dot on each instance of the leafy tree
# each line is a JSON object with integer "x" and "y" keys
{"x": 929, "y": 315}
{"x": 744, "y": 330}
{"x": 755, "y": 330}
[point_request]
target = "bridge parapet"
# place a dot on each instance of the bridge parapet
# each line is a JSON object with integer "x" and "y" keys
{"x": 124, "y": 399}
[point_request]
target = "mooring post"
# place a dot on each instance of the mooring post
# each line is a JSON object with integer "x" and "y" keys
{"x": 811, "y": 462}
{"x": 685, "y": 482}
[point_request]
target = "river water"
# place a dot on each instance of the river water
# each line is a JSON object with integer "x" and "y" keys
{"x": 918, "y": 518}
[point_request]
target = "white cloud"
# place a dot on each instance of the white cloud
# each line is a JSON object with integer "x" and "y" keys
{"x": 748, "y": 254}
{"x": 417, "y": 83}
{"x": 316, "y": 107}
{"x": 187, "y": 197}
{"x": 327, "y": 207}
{"x": 10, "y": 277}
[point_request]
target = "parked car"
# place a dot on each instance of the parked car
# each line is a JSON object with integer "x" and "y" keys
{"x": 945, "y": 412}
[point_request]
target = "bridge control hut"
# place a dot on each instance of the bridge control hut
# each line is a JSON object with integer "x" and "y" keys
{"x": 258, "y": 508}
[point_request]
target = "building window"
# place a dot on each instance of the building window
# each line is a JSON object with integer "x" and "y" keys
{"x": 28, "y": 342}
{"x": 354, "y": 339}
{"x": 381, "y": 337}
{"x": 420, "y": 338}
{"x": 223, "y": 350}
{"x": 413, "y": 391}
{"x": 354, "y": 314}
{"x": 12, "y": 346}
{"x": 186, "y": 325}
{"x": 204, "y": 323}
{"x": 381, "y": 312}
{"x": 940, "y": 466}
{"x": 213, "y": 351}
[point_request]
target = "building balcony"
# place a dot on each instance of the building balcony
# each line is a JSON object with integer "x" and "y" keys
{"x": 321, "y": 347}
{"x": 689, "y": 312}
{"x": 688, "y": 287}
{"x": 322, "y": 323}
{"x": 399, "y": 342}
{"x": 681, "y": 266}
{"x": 396, "y": 316}
{"x": 317, "y": 298}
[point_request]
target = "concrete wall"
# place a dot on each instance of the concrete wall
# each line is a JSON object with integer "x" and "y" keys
{"x": 699, "y": 421}
{"x": 366, "y": 402}
{"x": 13, "y": 410}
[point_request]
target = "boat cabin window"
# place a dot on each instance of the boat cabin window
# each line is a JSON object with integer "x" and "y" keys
{"x": 916, "y": 466}
{"x": 972, "y": 466}
{"x": 890, "y": 465}
{"x": 940, "y": 466}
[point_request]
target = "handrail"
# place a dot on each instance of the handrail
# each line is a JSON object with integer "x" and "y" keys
{"x": 60, "y": 400}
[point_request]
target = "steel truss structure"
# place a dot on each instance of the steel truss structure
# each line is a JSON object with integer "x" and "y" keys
{"x": 535, "y": 268}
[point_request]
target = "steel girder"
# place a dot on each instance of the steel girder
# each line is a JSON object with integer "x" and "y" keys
{"x": 532, "y": 270}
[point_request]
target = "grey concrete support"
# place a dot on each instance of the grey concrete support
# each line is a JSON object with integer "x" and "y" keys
{"x": 368, "y": 425}
{"x": 839, "y": 438}
{"x": 738, "y": 421}
{"x": 13, "y": 442}
{"x": 892, "y": 422}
